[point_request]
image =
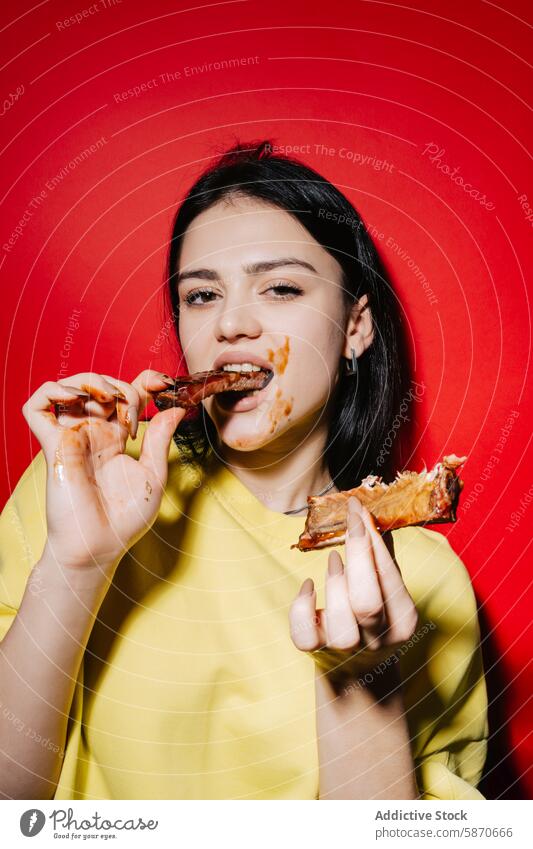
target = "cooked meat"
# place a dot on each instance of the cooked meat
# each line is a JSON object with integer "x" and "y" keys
{"x": 412, "y": 499}
{"x": 189, "y": 391}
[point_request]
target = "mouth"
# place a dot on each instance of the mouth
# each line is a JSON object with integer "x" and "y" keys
{"x": 235, "y": 384}
{"x": 245, "y": 393}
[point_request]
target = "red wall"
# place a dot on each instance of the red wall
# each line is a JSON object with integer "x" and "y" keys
{"x": 372, "y": 78}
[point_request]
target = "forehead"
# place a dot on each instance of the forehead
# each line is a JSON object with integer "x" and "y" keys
{"x": 245, "y": 230}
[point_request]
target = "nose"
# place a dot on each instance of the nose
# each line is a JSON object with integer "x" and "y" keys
{"x": 237, "y": 317}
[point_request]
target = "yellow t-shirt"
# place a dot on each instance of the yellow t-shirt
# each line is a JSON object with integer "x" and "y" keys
{"x": 191, "y": 687}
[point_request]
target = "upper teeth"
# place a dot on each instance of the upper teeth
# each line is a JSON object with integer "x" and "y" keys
{"x": 241, "y": 367}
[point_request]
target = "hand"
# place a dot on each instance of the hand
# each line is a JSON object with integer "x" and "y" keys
{"x": 99, "y": 501}
{"x": 369, "y": 612}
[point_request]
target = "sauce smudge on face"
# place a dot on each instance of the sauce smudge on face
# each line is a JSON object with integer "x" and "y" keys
{"x": 280, "y": 408}
{"x": 280, "y": 357}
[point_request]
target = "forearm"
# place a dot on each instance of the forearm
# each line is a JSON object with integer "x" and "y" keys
{"x": 40, "y": 659}
{"x": 363, "y": 744}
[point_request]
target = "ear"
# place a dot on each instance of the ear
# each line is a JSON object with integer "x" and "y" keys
{"x": 360, "y": 329}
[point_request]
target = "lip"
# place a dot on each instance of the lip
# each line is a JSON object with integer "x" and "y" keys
{"x": 243, "y": 405}
{"x": 241, "y": 357}
{"x": 247, "y": 402}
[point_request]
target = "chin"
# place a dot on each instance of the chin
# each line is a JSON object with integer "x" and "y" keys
{"x": 243, "y": 443}
{"x": 240, "y": 437}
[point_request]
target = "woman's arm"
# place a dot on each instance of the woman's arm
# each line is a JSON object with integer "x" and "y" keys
{"x": 99, "y": 502}
{"x": 363, "y": 742}
{"x": 362, "y": 733}
{"x": 40, "y": 658}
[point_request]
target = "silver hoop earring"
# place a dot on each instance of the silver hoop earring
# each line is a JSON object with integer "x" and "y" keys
{"x": 351, "y": 365}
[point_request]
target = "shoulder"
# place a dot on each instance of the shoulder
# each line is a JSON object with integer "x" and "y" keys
{"x": 435, "y": 575}
{"x": 448, "y": 660}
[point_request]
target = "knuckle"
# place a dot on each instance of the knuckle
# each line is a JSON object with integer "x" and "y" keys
{"x": 399, "y": 634}
{"x": 98, "y": 381}
{"x": 369, "y": 620}
{"x": 303, "y": 639}
{"x": 145, "y": 376}
{"x": 305, "y": 644}
{"x": 369, "y": 613}
{"x": 413, "y": 620}
{"x": 344, "y": 643}
{"x": 408, "y": 623}
{"x": 373, "y": 613}
{"x": 114, "y": 381}
{"x": 404, "y": 629}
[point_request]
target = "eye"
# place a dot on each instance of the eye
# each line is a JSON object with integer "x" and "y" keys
{"x": 285, "y": 291}
{"x": 192, "y": 298}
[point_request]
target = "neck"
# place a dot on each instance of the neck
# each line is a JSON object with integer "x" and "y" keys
{"x": 283, "y": 473}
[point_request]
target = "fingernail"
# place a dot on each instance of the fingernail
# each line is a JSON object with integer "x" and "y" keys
{"x": 132, "y": 420}
{"x": 307, "y": 587}
{"x": 335, "y": 566}
{"x": 167, "y": 379}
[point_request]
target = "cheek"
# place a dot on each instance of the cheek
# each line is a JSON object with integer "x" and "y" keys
{"x": 280, "y": 411}
{"x": 314, "y": 364}
{"x": 194, "y": 339}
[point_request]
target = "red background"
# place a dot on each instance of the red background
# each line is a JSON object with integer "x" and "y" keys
{"x": 378, "y": 79}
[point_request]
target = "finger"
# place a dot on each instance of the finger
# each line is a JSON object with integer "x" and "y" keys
{"x": 363, "y": 585}
{"x": 156, "y": 442}
{"x": 401, "y": 613}
{"x": 303, "y": 619}
{"x": 103, "y": 395}
{"x": 127, "y": 410}
{"x": 42, "y": 422}
{"x": 342, "y": 631}
{"x": 101, "y": 389}
{"x": 73, "y": 406}
{"x": 149, "y": 381}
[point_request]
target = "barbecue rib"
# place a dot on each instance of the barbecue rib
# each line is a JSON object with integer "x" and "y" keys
{"x": 412, "y": 499}
{"x": 189, "y": 391}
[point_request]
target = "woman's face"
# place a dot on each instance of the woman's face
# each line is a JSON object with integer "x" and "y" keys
{"x": 252, "y": 280}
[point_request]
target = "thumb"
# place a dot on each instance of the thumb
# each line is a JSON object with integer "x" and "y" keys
{"x": 156, "y": 442}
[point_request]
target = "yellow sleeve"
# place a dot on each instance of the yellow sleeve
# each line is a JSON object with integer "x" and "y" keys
{"x": 444, "y": 687}
{"x": 22, "y": 539}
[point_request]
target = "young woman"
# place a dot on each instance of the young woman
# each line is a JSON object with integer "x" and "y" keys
{"x": 161, "y": 639}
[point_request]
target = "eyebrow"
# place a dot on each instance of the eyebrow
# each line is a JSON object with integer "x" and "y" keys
{"x": 260, "y": 267}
